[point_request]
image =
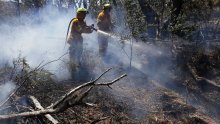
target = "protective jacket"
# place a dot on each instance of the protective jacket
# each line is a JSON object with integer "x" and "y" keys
{"x": 104, "y": 24}
{"x": 104, "y": 21}
{"x": 76, "y": 29}
{"x": 75, "y": 39}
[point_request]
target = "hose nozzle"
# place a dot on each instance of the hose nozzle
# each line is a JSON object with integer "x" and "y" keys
{"x": 93, "y": 28}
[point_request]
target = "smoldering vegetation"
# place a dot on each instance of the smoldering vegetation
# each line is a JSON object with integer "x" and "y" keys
{"x": 168, "y": 77}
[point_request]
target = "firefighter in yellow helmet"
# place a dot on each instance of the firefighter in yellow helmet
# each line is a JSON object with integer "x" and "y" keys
{"x": 77, "y": 26}
{"x": 104, "y": 23}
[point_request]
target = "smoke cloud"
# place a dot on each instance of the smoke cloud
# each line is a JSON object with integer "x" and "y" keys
{"x": 38, "y": 42}
{"x": 38, "y": 38}
{"x": 44, "y": 41}
{"x": 6, "y": 89}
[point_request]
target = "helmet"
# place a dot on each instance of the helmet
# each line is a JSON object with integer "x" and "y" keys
{"x": 82, "y": 10}
{"x": 107, "y": 6}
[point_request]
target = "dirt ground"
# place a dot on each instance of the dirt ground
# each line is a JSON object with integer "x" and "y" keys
{"x": 138, "y": 98}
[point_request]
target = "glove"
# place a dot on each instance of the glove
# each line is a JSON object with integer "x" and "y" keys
{"x": 92, "y": 27}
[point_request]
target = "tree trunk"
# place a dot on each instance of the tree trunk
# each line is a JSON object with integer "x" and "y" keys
{"x": 114, "y": 2}
{"x": 176, "y": 10}
{"x": 100, "y": 2}
{"x": 18, "y": 9}
{"x": 85, "y": 4}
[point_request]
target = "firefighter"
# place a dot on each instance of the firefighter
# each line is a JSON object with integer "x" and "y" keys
{"x": 104, "y": 23}
{"x": 77, "y": 26}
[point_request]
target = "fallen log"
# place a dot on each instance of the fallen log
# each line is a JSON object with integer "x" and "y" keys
{"x": 202, "y": 80}
{"x": 28, "y": 114}
{"x": 68, "y": 100}
{"x": 38, "y": 105}
{"x": 201, "y": 118}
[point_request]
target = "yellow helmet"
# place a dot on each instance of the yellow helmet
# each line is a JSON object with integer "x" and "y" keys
{"x": 82, "y": 10}
{"x": 107, "y": 6}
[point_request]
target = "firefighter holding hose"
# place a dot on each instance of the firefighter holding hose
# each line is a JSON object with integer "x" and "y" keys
{"x": 77, "y": 26}
{"x": 104, "y": 23}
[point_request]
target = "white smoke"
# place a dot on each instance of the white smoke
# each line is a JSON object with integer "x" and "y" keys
{"x": 43, "y": 41}
{"x": 145, "y": 57}
{"x": 6, "y": 89}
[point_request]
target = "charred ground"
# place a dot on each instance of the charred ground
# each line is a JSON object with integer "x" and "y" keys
{"x": 174, "y": 77}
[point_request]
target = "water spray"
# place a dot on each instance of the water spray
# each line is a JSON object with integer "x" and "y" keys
{"x": 121, "y": 39}
{"x": 114, "y": 36}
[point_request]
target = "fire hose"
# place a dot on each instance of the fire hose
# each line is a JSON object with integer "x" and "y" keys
{"x": 98, "y": 31}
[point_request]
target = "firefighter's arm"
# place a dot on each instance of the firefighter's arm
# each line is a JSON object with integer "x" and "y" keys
{"x": 87, "y": 29}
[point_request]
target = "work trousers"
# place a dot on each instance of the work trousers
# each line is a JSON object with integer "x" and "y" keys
{"x": 103, "y": 45}
{"x": 75, "y": 52}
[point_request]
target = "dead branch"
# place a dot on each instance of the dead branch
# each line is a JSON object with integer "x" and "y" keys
{"x": 100, "y": 119}
{"x": 64, "y": 98}
{"x": 79, "y": 116}
{"x": 28, "y": 114}
{"x": 27, "y": 76}
{"x": 38, "y": 105}
{"x": 112, "y": 82}
{"x": 204, "y": 118}
{"x": 68, "y": 100}
{"x": 201, "y": 79}
{"x": 12, "y": 93}
{"x": 5, "y": 108}
{"x": 40, "y": 67}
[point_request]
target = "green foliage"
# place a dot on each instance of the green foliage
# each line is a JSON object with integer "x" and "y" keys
{"x": 184, "y": 15}
{"x": 34, "y": 3}
{"x": 192, "y": 13}
{"x": 197, "y": 10}
{"x": 205, "y": 63}
{"x": 135, "y": 18}
{"x": 162, "y": 7}
{"x": 182, "y": 28}
{"x": 202, "y": 63}
{"x": 94, "y": 8}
